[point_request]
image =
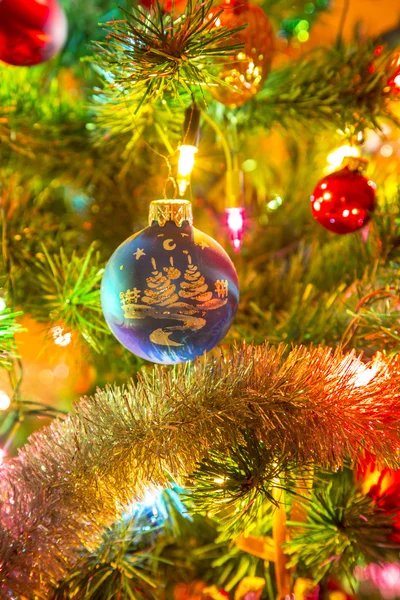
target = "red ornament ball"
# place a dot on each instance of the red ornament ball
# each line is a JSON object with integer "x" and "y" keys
{"x": 31, "y": 31}
{"x": 394, "y": 81}
{"x": 247, "y": 74}
{"x": 344, "y": 201}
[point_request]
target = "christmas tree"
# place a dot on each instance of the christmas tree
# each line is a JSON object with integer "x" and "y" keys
{"x": 268, "y": 467}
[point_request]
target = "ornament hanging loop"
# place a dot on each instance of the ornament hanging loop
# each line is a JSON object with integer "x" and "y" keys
{"x": 170, "y": 180}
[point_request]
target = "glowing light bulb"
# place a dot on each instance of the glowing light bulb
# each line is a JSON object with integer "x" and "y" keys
{"x": 220, "y": 480}
{"x": 151, "y": 496}
{"x": 150, "y": 504}
{"x": 185, "y": 166}
{"x": 235, "y": 218}
{"x": 336, "y": 157}
{"x": 235, "y": 223}
{"x": 186, "y": 160}
{"x": 5, "y": 400}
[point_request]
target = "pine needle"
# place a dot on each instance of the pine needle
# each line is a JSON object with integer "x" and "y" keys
{"x": 156, "y": 53}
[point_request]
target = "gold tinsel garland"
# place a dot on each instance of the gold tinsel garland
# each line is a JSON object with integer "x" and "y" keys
{"x": 76, "y": 476}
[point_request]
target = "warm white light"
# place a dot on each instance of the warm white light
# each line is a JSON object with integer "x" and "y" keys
{"x": 361, "y": 374}
{"x": 5, "y": 400}
{"x": 275, "y": 203}
{"x": 2, "y": 455}
{"x": 46, "y": 376}
{"x": 60, "y": 338}
{"x": 186, "y": 160}
{"x": 336, "y": 157}
{"x": 220, "y": 480}
{"x": 364, "y": 375}
{"x": 386, "y": 150}
{"x": 185, "y": 166}
{"x": 2, "y": 304}
{"x": 61, "y": 371}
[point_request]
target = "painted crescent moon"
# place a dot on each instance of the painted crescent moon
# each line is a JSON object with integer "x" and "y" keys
{"x": 161, "y": 337}
{"x": 169, "y": 244}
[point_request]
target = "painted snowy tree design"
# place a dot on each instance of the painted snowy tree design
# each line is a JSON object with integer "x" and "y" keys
{"x": 160, "y": 290}
{"x": 162, "y": 300}
{"x": 195, "y": 288}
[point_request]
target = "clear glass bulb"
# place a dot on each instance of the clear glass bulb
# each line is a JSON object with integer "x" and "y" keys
{"x": 185, "y": 166}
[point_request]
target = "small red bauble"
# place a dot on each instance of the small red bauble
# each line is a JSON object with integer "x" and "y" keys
{"x": 344, "y": 201}
{"x": 394, "y": 81}
{"x": 31, "y": 31}
{"x": 247, "y": 74}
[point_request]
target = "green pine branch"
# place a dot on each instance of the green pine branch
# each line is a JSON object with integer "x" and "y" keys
{"x": 145, "y": 554}
{"x": 68, "y": 291}
{"x": 344, "y": 529}
{"x": 331, "y": 88}
{"x": 156, "y": 53}
{"x": 120, "y": 568}
{"x": 235, "y": 485}
{"x": 327, "y": 289}
{"x": 123, "y": 440}
{"x": 8, "y": 328}
{"x": 328, "y": 88}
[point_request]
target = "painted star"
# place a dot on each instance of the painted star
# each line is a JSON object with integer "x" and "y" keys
{"x": 202, "y": 245}
{"x": 139, "y": 252}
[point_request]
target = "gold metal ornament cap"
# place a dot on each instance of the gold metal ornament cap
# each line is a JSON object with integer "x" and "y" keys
{"x": 178, "y": 211}
{"x": 355, "y": 163}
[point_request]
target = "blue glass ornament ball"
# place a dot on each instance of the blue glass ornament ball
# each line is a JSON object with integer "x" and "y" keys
{"x": 169, "y": 293}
